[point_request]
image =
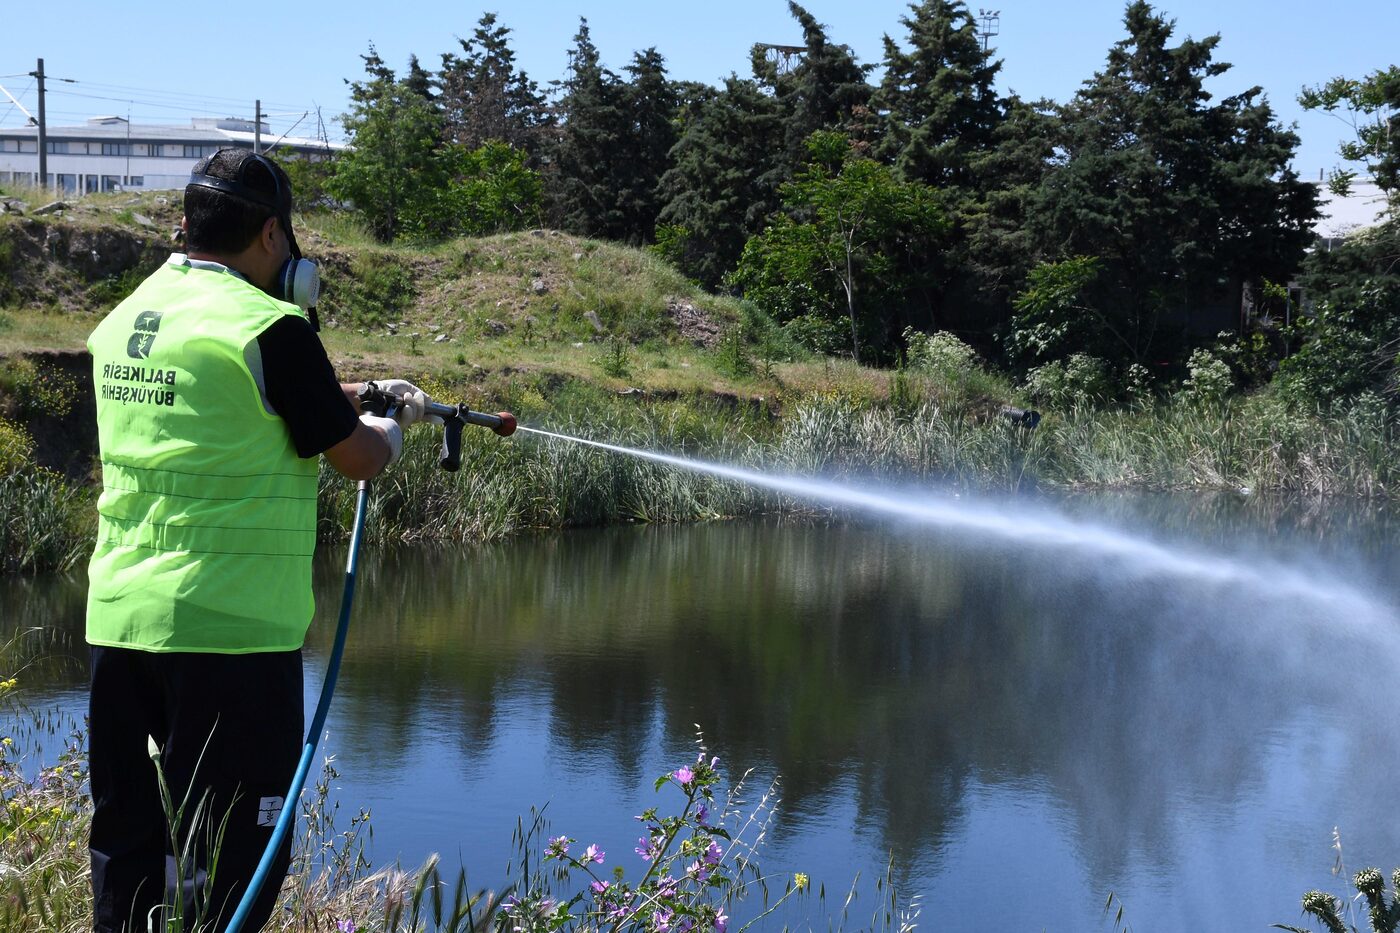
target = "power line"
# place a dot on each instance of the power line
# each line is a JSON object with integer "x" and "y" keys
{"x": 176, "y": 95}
{"x": 289, "y": 129}
{"x": 181, "y": 108}
{"x": 165, "y": 98}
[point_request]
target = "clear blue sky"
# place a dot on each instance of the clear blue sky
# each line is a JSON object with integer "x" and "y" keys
{"x": 164, "y": 62}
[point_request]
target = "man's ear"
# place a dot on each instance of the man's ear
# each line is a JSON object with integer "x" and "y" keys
{"x": 267, "y": 236}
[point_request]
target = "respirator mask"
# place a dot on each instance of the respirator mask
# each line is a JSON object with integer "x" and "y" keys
{"x": 299, "y": 280}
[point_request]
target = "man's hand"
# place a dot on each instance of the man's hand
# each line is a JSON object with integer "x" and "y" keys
{"x": 413, "y": 402}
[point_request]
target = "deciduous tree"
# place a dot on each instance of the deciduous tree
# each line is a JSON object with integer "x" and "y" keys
{"x": 392, "y": 167}
{"x": 850, "y": 224}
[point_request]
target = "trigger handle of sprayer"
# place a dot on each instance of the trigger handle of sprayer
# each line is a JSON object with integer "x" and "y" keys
{"x": 451, "y": 454}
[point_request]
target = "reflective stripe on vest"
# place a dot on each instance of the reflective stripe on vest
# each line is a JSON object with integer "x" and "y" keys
{"x": 207, "y": 518}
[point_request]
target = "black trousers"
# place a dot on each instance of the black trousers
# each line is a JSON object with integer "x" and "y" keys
{"x": 229, "y": 727}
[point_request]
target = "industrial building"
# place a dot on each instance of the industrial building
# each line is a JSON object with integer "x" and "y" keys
{"x": 111, "y": 154}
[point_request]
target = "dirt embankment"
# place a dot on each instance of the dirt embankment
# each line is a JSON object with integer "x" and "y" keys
{"x": 73, "y": 266}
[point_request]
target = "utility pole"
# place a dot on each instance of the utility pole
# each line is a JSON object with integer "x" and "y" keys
{"x": 257, "y": 127}
{"x": 43, "y": 130}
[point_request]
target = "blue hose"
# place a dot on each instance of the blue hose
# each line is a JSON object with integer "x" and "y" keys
{"x": 313, "y": 735}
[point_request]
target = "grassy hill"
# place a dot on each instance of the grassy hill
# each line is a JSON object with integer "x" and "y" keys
{"x": 534, "y": 309}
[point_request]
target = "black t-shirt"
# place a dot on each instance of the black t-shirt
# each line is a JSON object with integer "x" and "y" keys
{"x": 302, "y": 388}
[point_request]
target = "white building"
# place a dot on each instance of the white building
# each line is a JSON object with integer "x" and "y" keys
{"x": 1365, "y": 206}
{"x": 110, "y": 154}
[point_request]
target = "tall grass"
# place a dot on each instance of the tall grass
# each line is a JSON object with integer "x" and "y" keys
{"x": 45, "y": 523}
{"x": 527, "y": 483}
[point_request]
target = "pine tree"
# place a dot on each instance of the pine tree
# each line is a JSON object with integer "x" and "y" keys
{"x": 585, "y": 173}
{"x": 485, "y": 97}
{"x": 1180, "y": 200}
{"x": 651, "y": 106}
{"x": 937, "y": 109}
{"x": 1001, "y": 246}
{"x": 420, "y": 81}
{"x": 827, "y": 90}
{"x": 722, "y": 184}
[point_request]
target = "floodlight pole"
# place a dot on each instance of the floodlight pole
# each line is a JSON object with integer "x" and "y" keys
{"x": 990, "y": 22}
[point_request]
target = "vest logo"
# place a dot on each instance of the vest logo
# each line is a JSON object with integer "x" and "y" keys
{"x": 138, "y": 347}
{"x": 269, "y": 809}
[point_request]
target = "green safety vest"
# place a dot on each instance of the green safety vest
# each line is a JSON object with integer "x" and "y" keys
{"x": 207, "y": 518}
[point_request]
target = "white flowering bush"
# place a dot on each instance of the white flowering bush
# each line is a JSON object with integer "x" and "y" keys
{"x": 1080, "y": 381}
{"x": 940, "y": 354}
{"x": 1209, "y": 379}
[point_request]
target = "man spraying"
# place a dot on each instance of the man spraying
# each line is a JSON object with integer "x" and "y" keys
{"x": 215, "y": 400}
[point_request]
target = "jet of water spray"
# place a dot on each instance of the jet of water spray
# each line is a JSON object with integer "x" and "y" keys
{"x": 1149, "y": 558}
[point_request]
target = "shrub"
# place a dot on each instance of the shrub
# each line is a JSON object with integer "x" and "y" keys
{"x": 30, "y": 388}
{"x": 696, "y": 865}
{"x": 616, "y": 359}
{"x": 16, "y": 448}
{"x": 818, "y": 333}
{"x": 940, "y": 354}
{"x": 1080, "y": 381}
{"x": 1210, "y": 379}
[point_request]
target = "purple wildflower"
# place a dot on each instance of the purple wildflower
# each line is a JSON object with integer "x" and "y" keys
{"x": 684, "y": 776}
{"x": 593, "y": 854}
{"x": 646, "y": 848}
{"x": 558, "y": 847}
{"x": 345, "y": 926}
{"x": 701, "y": 812}
{"x": 699, "y": 870}
{"x": 661, "y": 920}
{"x": 713, "y": 853}
{"x": 721, "y": 922}
{"x": 668, "y": 886}
{"x": 620, "y": 912}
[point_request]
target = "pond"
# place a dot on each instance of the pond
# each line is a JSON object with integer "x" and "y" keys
{"x": 1013, "y": 725}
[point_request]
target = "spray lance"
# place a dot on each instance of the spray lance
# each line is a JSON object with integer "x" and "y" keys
{"x": 377, "y": 401}
{"x": 380, "y": 402}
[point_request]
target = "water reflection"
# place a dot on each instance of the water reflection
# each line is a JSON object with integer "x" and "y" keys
{"x": 1024, "y": 728}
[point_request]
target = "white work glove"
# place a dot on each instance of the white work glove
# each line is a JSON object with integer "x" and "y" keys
{"x": 392, "y": 433}
{"x": 413, "y": 404}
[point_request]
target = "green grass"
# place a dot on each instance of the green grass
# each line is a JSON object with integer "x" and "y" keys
{"x": 507, "y": 486}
